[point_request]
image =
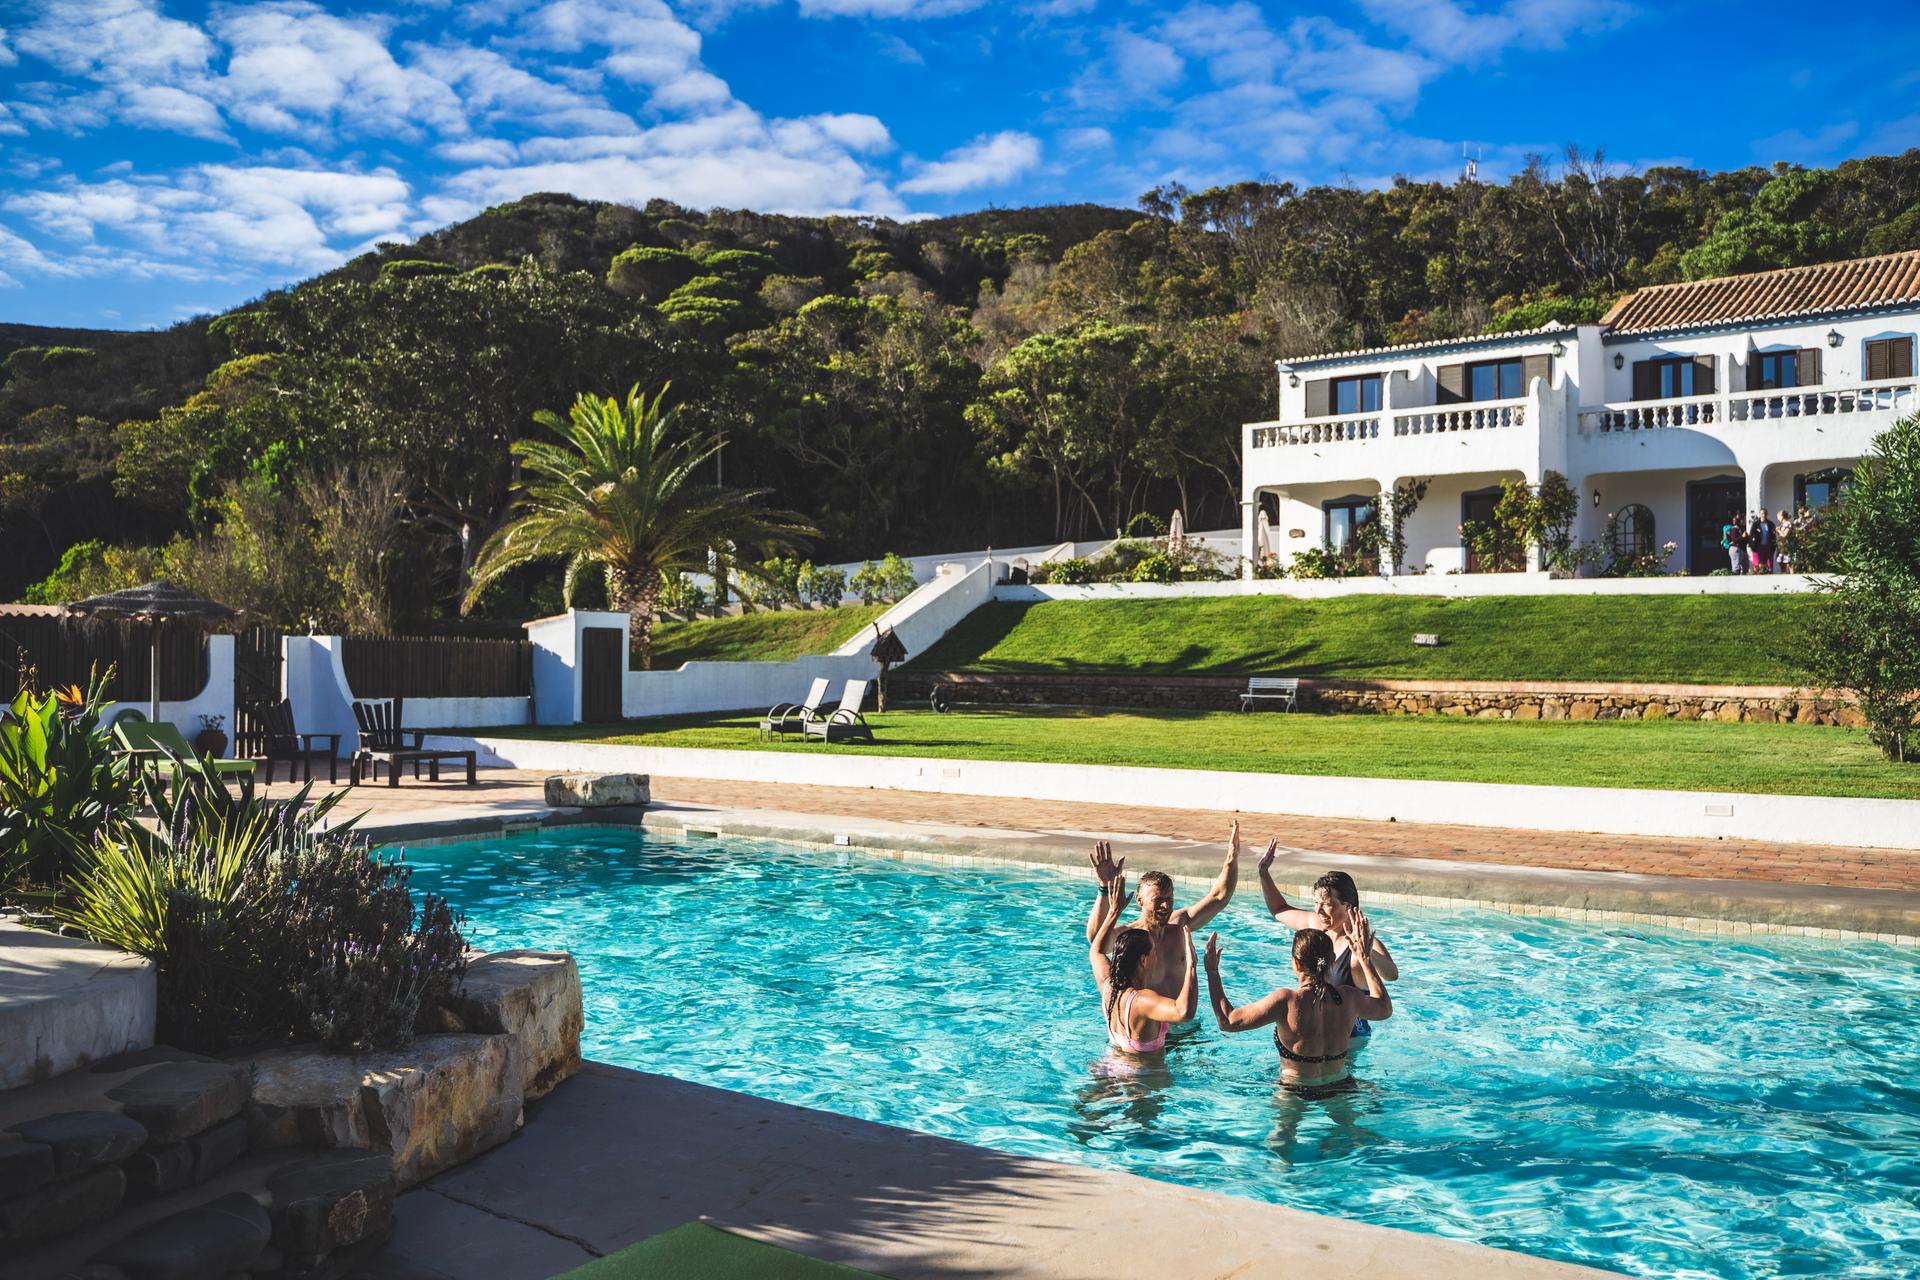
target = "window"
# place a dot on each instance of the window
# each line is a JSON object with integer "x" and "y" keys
{"x": 1631, "y": 532}
{"x": 1889, "y": 358}
{"x": 1773, "y": 370}
{"x": 1495, "y": 380}
{"x": 1819, "y": 489}
{"x": 1344, "y": 518}
{"x": 1357, "y": 395}
{"x": 1672, "y": 379}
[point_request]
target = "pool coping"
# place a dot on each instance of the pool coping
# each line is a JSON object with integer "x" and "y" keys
{"x": 1734, "y": 908}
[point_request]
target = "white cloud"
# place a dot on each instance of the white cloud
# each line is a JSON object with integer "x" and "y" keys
{"x": 860, "y": 133}
{"x": 1135, "y": 69}
{"x": 160, "y": 106}
{"x": 493, "y": 88}
{"x": 115, "y": 39}
{"x": 1449, "y": 31}
{"x": 295, "y": 68}
{"x": 892, "y": 46}
{"x": 984, "y": 162}
{"x": 1093, "y": 139}
{"x": 7, "y": 56}
{"x": 477, "y": 151}
{"x": 886, "y": 8}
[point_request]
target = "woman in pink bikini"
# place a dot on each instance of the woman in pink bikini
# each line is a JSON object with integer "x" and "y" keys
{"x": 1136, "y": 1017}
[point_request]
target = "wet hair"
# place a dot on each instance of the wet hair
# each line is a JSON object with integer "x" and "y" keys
{"x": 1340, "y": 886}
{"x": 1313, "y": 955}
{"x": 1159, "y": 878}
{"x": 1125, "y": 956}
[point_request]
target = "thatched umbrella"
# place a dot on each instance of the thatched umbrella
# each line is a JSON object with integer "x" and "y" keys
{"x": 886, "y": 651}
{"x": 157, "y": 603}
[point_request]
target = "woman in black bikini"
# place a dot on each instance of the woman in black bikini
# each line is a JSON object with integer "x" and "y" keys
{"x": 1312, "y": 1022}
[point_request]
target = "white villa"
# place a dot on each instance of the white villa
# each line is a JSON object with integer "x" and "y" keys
{"x": 1685, "y": 404}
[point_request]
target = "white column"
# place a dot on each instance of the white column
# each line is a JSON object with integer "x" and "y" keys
{"x": 1249, "y": 512}
{"x": 1385, "y": 508}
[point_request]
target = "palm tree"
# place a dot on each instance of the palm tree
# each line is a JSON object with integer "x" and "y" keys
{"x": 618, "y": 491}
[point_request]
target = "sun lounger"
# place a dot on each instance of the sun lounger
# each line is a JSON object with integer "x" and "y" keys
{"x": 845, "y": 721}
{"x": 793, "y": 717}
{"x": 159, "y": 745}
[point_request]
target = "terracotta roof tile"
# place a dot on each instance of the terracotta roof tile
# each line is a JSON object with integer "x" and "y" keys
{"x": 1860, "y": 284}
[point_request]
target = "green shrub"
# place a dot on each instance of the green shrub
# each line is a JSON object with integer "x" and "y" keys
{"x": 416, "y": 269}
{"x": 61, "y": 784}
{"x": 265, "y": 925}
{"x": 1312, "y": 562}
{"x": 1159, "y": 567}
{"x": 1072, "y": 571}
{"x": 825, "y": 585}
{"x": 648, "y": 273}
{"x": 890, "y": 580}
{"x": 744, "y": 265}
{"x": 776, "y": 585}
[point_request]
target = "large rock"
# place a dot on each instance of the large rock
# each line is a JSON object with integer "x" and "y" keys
{"x": 331, "y": 1201}
{"x": 156, "y": 1170}
{"x": 442, "y": 1102}
{"x": 218, "y": 1147}
{"x": 24, "y": 1167}
{"x": 82, "y": 1140}
{"x": 597, "y": 790}
{"x": 217, "y": 1239}
{"x": 535, "y": 997}
{"x": 177, "y": 1100}
{"x": 65, "y": 1003}
{"x": 59, "y": 1207}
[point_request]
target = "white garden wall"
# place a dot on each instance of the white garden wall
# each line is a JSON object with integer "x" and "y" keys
{"x": 1689, "y": 814}
{"x": 214, "y": 699}
{"x": 1448, "y": 586}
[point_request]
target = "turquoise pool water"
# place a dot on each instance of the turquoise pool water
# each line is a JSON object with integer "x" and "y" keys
{"x": 1654, "y": 1103}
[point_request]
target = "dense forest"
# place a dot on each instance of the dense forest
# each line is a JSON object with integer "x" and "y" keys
{"x": 339, "y": 449}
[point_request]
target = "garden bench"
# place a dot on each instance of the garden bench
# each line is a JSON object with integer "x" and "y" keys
{"x": 382, "y": 739}
{"x": 1282, "y": 689}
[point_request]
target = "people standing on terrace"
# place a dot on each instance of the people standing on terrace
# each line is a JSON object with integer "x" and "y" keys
{"x": 1733, "y": 536}
{"x": 1312, "y": 1021}
{"x": 1760, "y": 542}
{"x": 1168, "y": 928}
{"x": 1783, "y": 542}
{"x": 1137, "y": 1017}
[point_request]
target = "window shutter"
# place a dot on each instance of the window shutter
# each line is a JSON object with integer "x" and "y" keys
{"x": 1535, "y": 367}
{"x": 1879, "y": 361}
{"x": 1806, "y": 372}
{"x": 1753, "y": 371}
{"x": 1452, "y": 382}
{"x": 1703, "y": 375}
{"x": 1646, "y": 380}
{"x": 1319, "y": 397}
{"x": 1900, "y": 358}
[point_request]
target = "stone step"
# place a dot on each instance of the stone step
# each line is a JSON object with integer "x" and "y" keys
{"x": 65, "y": 1002}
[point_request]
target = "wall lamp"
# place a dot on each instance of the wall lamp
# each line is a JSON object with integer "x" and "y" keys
{"x": 1619, "y": 361}
{"x": 1559, "y": 349}
{"x": 1293, "y": 379}
{"x": 1596, "y": 497}
{"x": 1833, "y": 337}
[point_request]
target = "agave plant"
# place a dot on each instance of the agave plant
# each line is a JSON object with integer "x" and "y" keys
{"x": 61, "y": 782}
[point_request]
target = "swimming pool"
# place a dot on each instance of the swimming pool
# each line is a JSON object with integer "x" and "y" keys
{"x": 1655, "y": 1103}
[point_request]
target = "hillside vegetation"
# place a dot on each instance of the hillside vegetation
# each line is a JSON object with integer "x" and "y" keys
{"x": 1001, "y": 378}
{"x": 760, "y": 637}
{"x": 1697, "y": 639}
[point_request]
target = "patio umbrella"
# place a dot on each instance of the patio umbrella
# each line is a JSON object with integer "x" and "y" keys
{"x": 1176, "y": 531}
{"x": 157, "y": 603}
{"x": 886, "y": 651}
{"x": 1262, "y": 538}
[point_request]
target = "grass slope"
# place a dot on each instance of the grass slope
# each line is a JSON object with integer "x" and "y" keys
{"x": 1699, "y": 639}
{"x": 759, "y": 637}
{"x": 1664, "y": 755}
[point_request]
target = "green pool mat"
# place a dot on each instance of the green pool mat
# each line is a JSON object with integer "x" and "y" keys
{"x": 699, "y": 1251}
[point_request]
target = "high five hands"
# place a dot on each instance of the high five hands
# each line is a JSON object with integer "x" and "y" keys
{"x": 1273, "y": 847}
{"x": 1105, "y": 869}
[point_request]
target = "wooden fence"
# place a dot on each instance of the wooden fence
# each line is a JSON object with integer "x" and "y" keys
{"x": 438, "y": 667}
{"x": 63, "y": 651}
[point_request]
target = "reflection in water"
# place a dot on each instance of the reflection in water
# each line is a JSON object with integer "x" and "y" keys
{"x": 1336, "y": 1131}
{"x": 1124, "y": 1092}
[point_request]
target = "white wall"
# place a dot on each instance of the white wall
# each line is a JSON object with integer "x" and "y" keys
{"x": 316, "y": 685}
{"x": 466, "y": 713}
{"x": 1456, "y": 586}
{"x": 1686, "y": 814}
{"x": 1845, "y": 364}
{"x": 556, "y": 660}
{"x": 215, "y": 697}
{"x": 930, "y": 612}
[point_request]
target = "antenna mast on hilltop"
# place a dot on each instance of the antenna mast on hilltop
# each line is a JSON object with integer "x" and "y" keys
{"x": 1471, "y": 172}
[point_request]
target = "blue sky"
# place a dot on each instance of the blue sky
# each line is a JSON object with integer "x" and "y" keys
{"x": 166, "y": 158}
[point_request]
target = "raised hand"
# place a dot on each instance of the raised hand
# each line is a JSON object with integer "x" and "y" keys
{"x": 1359, "y": 932}
{"x": 1233, "y": 841}
{"x": 1105, "y": 869}
{"x": 1213, "y": 951}
{"x": 1273, "y": 847}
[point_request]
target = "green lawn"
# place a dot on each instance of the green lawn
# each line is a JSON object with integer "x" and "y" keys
{"x": 768, "y": 636}
{"x": 1697, "y": 639}
{"x": 1666, "y": 755}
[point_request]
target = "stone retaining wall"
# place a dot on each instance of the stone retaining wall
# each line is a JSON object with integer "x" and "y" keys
{"x": 1486, "y": 700}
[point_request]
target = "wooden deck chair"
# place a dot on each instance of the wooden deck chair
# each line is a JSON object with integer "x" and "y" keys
{"x": 845, "y": 721}
{"x": 793, "y": 717}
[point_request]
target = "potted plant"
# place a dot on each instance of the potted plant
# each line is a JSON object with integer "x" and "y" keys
{"x": 212, "y": 739}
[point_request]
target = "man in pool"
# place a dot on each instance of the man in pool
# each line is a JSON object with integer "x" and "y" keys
{"x": 1336, "y": 903}
{"x": 1169, "y": 926}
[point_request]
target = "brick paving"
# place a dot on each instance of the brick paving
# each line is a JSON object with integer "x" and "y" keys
{"x": 1752, "y": 861}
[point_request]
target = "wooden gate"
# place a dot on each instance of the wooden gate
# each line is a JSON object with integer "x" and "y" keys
{"x": 256, "y": 681}
{"x": 602, "y": 674}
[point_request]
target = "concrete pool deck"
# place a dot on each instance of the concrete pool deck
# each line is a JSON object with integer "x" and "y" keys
{"x": 615, "y": 1155}
{"x": 1716, "y": 886}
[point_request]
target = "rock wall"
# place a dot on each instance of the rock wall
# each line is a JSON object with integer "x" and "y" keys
{"x": 1486, "y": 700}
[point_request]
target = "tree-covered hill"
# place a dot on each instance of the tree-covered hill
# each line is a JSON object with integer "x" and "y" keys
{"x": 1001, "y": 377}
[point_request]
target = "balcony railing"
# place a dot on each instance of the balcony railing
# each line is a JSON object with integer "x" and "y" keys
{"x": 1407, "y": 422}
{"x": 1902, "y": 396}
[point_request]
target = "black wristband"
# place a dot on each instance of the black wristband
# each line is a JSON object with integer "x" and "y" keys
{"x": 1103, "y": 891}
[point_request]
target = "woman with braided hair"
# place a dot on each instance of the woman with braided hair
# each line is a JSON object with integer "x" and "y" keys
{"x": 1312, "y": 1021}
{"x": 1136, "y": 1015}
